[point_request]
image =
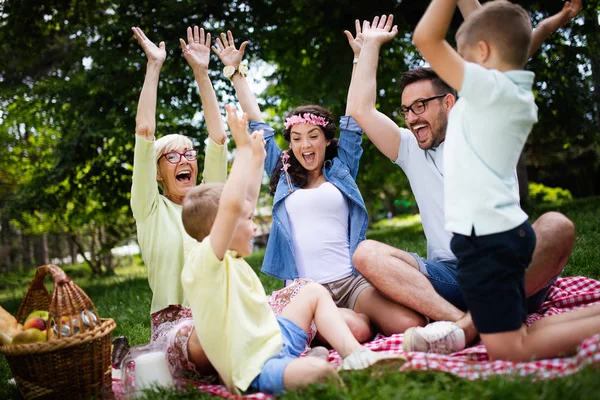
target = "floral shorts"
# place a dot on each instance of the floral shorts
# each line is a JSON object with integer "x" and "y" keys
{"x": 175, "y": 324}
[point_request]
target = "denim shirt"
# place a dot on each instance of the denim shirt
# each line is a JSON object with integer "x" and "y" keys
{"x": 279, "y": 258}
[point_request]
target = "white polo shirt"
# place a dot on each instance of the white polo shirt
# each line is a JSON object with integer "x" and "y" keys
{"x": 487, "y": 129}
{"x": 425, "y": 173}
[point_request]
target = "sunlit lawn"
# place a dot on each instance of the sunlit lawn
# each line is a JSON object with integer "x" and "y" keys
{"x": 126, "y": 298}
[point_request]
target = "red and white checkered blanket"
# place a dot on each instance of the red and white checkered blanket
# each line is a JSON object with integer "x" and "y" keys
{"x": 472, "y": 363}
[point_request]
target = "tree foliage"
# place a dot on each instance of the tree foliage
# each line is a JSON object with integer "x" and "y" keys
{"x": 71, "y": 75}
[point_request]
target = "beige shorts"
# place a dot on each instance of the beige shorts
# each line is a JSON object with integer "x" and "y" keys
{"x": 345, "y": 291}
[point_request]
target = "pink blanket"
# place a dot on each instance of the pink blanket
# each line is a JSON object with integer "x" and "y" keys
{"x": 472, "y": 363}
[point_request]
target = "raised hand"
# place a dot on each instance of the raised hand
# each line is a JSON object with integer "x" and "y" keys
{"x": 381, "y": 30}
{"x": 258, "y": 145}
{"x": 355, "y": 42}
{"x": 154, "y": 54}
{"x": 569, "y": 11}
{"x": 227, "y": 51}
{"x": 197, "y": 50}
{"x": 549, "y": 25}
{"x": 238, "y": 126}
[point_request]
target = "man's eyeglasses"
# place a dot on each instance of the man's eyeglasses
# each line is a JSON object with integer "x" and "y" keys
{"x": 419, "y": 106}
{"x": 174, "y": 157}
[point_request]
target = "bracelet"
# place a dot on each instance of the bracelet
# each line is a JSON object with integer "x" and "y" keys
{"x": 355, "y": 61}
{"x": 229, "y": 71}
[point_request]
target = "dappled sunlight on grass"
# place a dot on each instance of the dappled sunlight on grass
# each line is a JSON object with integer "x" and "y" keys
{"x": 126, "y": 298}
{"x": 399, "y": 221}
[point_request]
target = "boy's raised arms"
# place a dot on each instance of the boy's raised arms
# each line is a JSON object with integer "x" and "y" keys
{"x": 235, "y": 189}
{"x": 549, "y": 25}
{"x": 430, "y": 40}
{"x": 544, "y": 29}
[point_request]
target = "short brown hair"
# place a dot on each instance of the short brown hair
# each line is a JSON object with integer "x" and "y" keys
{"x": 426, "y": 74}
{"x": 503, "y": 25}
{"x": 200, "y": 208}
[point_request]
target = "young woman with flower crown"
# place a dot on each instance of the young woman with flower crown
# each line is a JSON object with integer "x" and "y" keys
{"x": 319, "y": 216}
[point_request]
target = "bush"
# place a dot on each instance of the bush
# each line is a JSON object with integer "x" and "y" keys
{"x": 541, "y": 195}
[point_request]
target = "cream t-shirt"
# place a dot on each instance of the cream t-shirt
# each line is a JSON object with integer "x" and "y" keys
{"x": 234, "y": 322}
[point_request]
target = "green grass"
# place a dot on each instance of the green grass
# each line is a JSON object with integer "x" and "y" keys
{"x": 126, "y": 297}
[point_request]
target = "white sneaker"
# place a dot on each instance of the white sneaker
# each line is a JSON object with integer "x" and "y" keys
{"x": 442, "y": 337}
{"x": 363, "y": 358}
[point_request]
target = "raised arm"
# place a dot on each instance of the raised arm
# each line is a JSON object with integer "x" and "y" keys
{"x": 362, "y": 95}
{"x": 549, "y": 25}
{"x": 145, "y": 120}
{"x": 430, "y": 40}
{"x": 144, "y": 190}
{"x": 466, "y": 7}
{"x": 232, "y": 57}
{"x": 355, "y": 43}
{"x": 256, "y": 166}
{"x": 235, "y": 191}
{"x": 197, "y": 54}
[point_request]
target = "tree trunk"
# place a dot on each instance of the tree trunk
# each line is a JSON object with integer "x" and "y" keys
{"x": 592, "y": 31}
{"x": 41, "y": 251}
{"x": 27, "y": 252}
{"x": 390, "y": 204}
{"x": 523, "y": 180}
{"x": 90, "y": 261}
{"x": 72, "y": 250}
{"x": 5, "y": 246}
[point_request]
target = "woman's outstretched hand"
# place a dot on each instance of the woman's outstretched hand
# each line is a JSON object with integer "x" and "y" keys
{"x": 227, "y": 51}
{"x": 154, "y": 54}
{"x": 197, "y": 50}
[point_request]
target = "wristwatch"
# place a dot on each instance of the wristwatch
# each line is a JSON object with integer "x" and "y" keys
{"x": 229, "y": 71}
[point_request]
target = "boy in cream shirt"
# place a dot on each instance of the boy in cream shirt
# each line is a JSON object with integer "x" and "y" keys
{"x": 237, "y": 334}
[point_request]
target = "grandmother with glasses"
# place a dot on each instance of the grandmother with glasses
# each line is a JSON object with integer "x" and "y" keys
{"x": 164, "y": 170}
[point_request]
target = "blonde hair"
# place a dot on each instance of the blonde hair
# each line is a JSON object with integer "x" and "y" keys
{"x": 200, "y": 208}
{"x": 502, "y": 24}
{"x": 170, "y": 143}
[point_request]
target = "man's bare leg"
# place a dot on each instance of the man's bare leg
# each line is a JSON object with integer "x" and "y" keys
{"x": 395, "y": 273}
{"x": 555, "y": 237}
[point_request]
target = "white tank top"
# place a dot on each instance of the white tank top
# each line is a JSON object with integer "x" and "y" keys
{"x": 319, "y": 221}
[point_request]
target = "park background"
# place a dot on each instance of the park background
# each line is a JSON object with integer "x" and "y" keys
{"x": 70, "y": 77}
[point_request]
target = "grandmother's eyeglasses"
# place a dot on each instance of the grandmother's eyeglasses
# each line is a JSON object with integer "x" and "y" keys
{"x": 174, "y": 157}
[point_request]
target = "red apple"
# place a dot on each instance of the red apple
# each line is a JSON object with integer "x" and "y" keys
{"x": 35, "y": 322}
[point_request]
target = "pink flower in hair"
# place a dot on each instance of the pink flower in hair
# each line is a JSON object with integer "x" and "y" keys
{"x": 306, "y": 118}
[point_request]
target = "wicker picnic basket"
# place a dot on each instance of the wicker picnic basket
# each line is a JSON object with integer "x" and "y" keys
{"x": 72, "y": 365}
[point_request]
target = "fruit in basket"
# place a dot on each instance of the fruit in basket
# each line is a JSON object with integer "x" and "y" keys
{"x": 35, "y": 322}
{"x": 8, "y": 323}
{"x": 5, "y": 338}
{"x": 30, "y": 335}
{"x": 38, "y": 313}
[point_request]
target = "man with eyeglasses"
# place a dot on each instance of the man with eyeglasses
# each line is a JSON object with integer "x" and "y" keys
{"x": 429, "y": 285}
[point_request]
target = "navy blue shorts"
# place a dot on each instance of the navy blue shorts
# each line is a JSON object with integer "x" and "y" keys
{"x": 491, "y": 276}
{"x": 443, "y": 276}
